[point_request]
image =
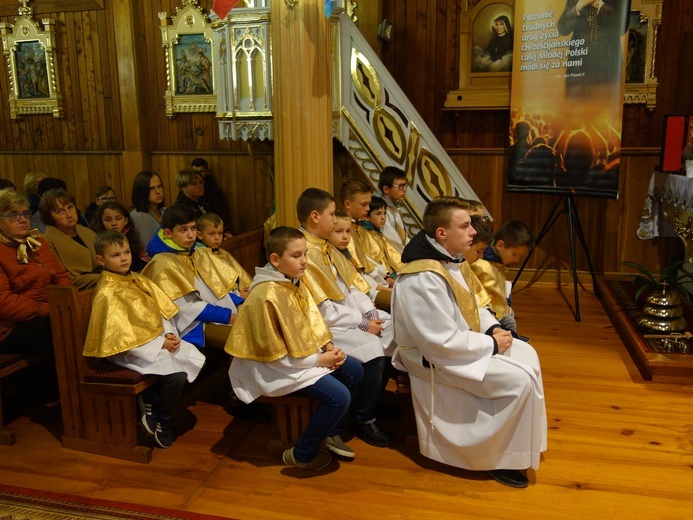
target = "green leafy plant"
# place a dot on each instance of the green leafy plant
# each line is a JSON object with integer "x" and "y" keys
{"x": 669, "y": 279}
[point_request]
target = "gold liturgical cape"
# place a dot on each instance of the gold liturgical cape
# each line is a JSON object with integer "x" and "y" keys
{"x": 492, "y": 276}
{"x": 360, "y": 247}
{"x": 126, "y": 313}
{"x": 384, "y": 253}
{"x": 319, "y": 278}
{"x": 465, "y": 300}
{"x": 241, "y": 276}
{"x": 174, "y": 273}
{"x": 276, "y": 319}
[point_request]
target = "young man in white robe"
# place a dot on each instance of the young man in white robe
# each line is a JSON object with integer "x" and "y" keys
{"x": 477, "y": 393}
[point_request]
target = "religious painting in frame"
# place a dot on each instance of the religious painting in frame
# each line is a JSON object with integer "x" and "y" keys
{"x": 29, "y": 53}
{"x": 485, "y": 50}
{"x": 643, "y": 30}
{"x": 190, "y": 70}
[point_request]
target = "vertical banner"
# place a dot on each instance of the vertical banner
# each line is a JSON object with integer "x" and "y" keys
{"x": 566, "y": 102}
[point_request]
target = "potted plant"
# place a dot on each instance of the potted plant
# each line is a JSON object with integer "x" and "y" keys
{"x": 687, "y": 158}
{"x": 662, "y": 311}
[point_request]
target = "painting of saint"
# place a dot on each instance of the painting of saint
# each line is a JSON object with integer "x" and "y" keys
{"x": 32, "y": 75}
{"x": 492, "y": 39}
{"x": 193, "y": 66}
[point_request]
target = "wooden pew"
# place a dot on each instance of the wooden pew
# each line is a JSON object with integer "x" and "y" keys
{"x": 98, "y": 399}
{"x": 9, "y": 364}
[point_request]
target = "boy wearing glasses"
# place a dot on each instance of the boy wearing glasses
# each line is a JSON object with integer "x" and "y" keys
{"x": 393, "y": 188}
{"x": 103, "y": 194}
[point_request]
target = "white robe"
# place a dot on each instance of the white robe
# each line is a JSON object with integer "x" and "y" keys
{"x": 192, "y": 304}
{"x": 251, "y": 379}
{"x": 474, "y": 410}
{"x": 394, "y": 217}
{"x": 150, "y": 358}
{"x": 343, "y": 318}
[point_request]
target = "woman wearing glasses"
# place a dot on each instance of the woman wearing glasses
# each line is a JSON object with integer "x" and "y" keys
{"x": 72, "y": 243}
{"x": 27, "y": 267}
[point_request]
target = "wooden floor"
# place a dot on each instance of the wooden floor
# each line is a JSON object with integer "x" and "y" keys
{"x": 619, "y": 447}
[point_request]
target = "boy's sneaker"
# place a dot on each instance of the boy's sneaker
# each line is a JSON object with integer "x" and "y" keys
{"x": 321, "y": 460}
{"x": 164, "y": 432}
{"x": 336, "y": 445}
{"x": 148, "y": 404}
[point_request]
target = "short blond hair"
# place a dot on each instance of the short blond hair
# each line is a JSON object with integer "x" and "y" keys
{"x": 30, "y": 182}
{"x": 10, "y": 200}
{"x": 209, "y": 219}
{"x": 186, "y": 176}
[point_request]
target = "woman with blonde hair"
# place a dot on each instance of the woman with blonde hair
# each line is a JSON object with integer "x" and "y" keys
{"x": 31, "y": 182}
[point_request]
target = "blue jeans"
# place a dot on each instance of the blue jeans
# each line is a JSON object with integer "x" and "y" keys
{"x": 334, "y": 391}
{"x": 367, "y": 398}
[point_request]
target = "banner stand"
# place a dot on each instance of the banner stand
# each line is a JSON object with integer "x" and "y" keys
{"x": 574, "y": 228}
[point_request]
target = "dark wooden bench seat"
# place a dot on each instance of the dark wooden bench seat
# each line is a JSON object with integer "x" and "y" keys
{"x": 98, "y": 399}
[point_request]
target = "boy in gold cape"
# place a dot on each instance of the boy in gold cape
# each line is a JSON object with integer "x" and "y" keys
{"x": 131, "y": 325}
{"x": 201, "y": 284}
{"x": 281, "y": 345}
{"x": 210, "y": 233}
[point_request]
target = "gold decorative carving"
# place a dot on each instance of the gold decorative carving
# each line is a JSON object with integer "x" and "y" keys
{"x": 30, "y": 57}
{"x": 390, "y": 126}
{"x": 645, "y": 21}
{"x": 291, "y": 3}
{"x": 390, "y": 134}
{"x": 189, "y": 61}
{"x": 365, "y": 79}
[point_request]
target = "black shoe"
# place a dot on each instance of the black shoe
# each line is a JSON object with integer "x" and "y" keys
{"x": 371, "y": 434}
{"x": 510, "y": 477}
{"x": 252, "y": 412}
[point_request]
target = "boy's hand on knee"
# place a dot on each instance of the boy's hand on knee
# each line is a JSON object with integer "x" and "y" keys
{"x": 232, "y": 319}
{"x": 332, "y": 357}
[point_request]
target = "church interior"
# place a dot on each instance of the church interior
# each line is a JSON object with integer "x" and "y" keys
{"x": 620, "y": 442}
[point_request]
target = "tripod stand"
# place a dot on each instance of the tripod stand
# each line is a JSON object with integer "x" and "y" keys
{"x": 574, "y": 228}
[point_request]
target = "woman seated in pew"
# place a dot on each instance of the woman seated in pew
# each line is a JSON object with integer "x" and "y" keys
{"x": 72, "y": 243}
{"x": 27, "y": 268}
{"x": 147, "y": 205}
{"x": 131, "y": 325}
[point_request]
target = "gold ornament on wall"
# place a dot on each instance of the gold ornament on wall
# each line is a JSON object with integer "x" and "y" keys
{"x": 29, "y": 53}
{"x": 190, "y": 69}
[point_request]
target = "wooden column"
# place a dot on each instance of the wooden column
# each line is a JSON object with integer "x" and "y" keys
{"x": 302, "y": 103}
{"x": 136, "y": 156}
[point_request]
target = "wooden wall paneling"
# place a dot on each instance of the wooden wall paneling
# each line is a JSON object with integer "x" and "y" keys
{"x": 47, "y": 7}
{"x": 109, "y": 84}
{"x": 95, "y": 80}
{"x": 132, "y": 85}
{"x": 70, "y": 67}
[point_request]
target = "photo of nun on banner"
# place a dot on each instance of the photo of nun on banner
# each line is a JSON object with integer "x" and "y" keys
{"x": 567, "y": 97}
